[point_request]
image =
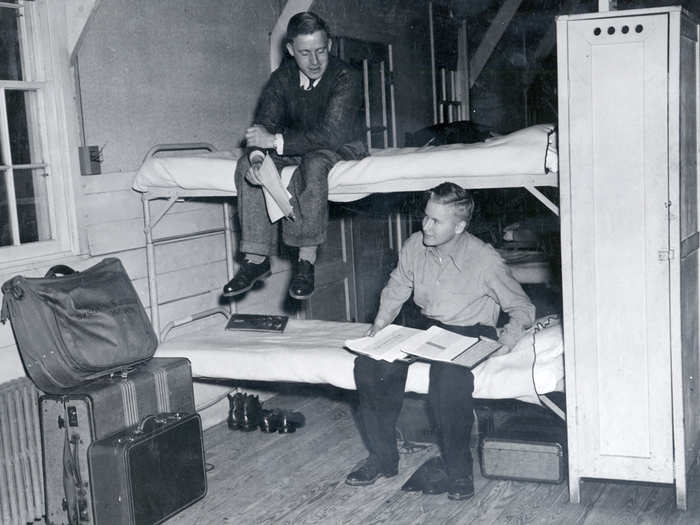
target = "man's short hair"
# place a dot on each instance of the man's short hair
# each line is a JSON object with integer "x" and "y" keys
{"x": 306, "y": 23}
{"x": 456, "y": 196}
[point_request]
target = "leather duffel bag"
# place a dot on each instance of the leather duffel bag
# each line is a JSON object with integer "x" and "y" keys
{"x": 72, "y": 327}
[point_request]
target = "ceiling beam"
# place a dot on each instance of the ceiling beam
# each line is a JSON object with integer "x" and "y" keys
{"x": 546, "y": 45}
{"x": 491, "y": 38}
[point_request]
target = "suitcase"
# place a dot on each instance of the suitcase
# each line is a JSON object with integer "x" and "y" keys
{"x": 74, "y": 327}
{"x": 71, "y": 422}
{"x": 145, "y": 475}
{"x": 525, "y": 449}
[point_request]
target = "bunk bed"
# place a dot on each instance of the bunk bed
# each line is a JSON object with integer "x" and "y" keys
{"x": 312, "y": 351}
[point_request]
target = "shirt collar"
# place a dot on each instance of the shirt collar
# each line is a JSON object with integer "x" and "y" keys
{"x": 306, "y": 83}
{"x": 455, "y": 251}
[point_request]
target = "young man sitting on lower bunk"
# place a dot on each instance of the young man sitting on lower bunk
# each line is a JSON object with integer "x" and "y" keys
{"x": 461, "y": 284}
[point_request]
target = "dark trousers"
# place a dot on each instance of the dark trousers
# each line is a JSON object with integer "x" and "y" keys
{"x": 309, "y": 189}
{"x": 380, "y": 388}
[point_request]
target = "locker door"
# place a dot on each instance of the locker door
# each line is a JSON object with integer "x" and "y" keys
{"x": 619, "y": 231}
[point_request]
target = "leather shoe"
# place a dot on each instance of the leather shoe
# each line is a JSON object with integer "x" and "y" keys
{"x": 430, "y": 478}
{"x": 282, "y": 421}
{"x": 368, "y": 472}
{"x": 302, "y": 285}
{"x": 235, "y": 410}
{"x": 270, "y": 420}
{"x": 247, "y": 275}
{"x": 291, "y": 421}
{"x": 460, "y": 489}
{"x": 252, "y": 412}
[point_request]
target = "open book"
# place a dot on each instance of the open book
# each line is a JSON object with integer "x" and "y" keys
{"x": 434, "y": 344}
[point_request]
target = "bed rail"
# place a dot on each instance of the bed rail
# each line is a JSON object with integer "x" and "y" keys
{"x": 151, "y": 242}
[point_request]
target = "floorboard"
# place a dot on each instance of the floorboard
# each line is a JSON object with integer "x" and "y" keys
{"x": 299, "y": 479}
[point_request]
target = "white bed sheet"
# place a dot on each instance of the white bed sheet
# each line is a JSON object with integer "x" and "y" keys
{"x": 527, "y": 157}
{"x": 312, "y": 352}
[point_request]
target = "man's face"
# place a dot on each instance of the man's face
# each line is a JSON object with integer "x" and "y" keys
{"x": 311, "y": 53}
{"x": 441, "y": 224}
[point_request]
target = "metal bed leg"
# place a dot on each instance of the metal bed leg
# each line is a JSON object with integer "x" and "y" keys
{"x": 228, "y": 239}
{"x": 151, "y": 265}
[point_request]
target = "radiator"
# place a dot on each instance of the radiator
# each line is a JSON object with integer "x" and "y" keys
{"x": 21, "y": 477}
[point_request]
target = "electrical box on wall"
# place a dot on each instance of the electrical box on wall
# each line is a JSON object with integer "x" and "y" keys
{"x": 90, "y": 160}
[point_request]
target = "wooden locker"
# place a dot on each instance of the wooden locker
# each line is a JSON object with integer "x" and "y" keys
{"x": 628, "y": 186}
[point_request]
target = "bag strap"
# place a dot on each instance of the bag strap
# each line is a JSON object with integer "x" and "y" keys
{"x": 59, "y": 269}
{"x": 70, "y": 477}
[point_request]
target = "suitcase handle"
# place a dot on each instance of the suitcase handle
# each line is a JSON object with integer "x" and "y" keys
{"x": 59, "y": 269}
{"x": 157, "y": 420}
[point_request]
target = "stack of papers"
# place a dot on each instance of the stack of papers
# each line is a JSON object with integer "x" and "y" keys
{"x": 275, "y": 191}
{"x": 434, "y": 344}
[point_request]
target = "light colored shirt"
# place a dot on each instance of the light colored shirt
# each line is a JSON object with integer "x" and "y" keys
{"x": 467, "y": 286}
{"x": 306, "y": 83}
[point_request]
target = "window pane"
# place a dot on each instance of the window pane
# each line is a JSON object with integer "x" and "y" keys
{"x": 32, "y": 205}
{"x": 24, "y": 142}
{"x": 5, "y": 233}
{"x": 10, "y": 55}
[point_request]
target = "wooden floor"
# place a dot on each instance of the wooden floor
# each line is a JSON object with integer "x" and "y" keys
{"x": 260, "y": 478}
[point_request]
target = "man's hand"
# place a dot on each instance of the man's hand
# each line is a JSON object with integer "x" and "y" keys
{"x": 253, "y": 173}
{"x": 376, "y": 326}
{"x": 258, "y": 137}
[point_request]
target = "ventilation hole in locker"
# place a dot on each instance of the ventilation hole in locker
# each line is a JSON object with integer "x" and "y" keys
{"x": 611, "y": 30}
{"x": 596, "y": 31}
{"x": 625, "y": 29}
{"x": 639, "y": 28}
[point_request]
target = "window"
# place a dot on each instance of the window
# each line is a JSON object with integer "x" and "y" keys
{"x": 34, "y": 207}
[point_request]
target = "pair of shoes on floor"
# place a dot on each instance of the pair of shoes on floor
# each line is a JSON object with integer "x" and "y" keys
{"x": 431, "y": 478}
{"x": 247, "y": 275}
{"x": 302, "y": 285}
{"x": 282, "y": 421}
{"x": 369, "y": 471}
{"x": 244, "y": 412}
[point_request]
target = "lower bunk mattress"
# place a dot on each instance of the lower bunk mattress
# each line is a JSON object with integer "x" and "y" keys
{"x": 311, "y": 351}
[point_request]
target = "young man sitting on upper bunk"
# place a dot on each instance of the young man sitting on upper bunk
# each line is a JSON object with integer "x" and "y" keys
{"x": 308, "y": 114}
{"x": 459, "y": 283}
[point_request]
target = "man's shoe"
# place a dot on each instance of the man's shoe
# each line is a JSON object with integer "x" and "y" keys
{"x": 252, "y": 413}
{"x": 430, "y": 478}
{"x": 247, "y": 275}
{"x": 235, "y": 410}
{"x": 302, "y": 285}
{"x": 461, "y": 489}
{"x": 369, "y": 472}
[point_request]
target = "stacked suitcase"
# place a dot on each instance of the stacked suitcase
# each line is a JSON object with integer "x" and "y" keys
{"x": 77, "y": 426}
{"x": 121, "y": 441}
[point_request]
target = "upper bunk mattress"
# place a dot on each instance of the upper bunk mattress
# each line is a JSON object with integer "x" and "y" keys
{"x": 527, "y": 157}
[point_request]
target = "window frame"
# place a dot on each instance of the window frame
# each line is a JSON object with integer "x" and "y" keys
{"x": 46, "y": 71}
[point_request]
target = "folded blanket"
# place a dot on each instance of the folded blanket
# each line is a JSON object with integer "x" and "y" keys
{"x": 524, "y": 157}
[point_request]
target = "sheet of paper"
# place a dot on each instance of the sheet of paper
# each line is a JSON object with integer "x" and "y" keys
{"x": 438, "y": 344}
{"x": 275, "y": 191}
{"x": 385, "y": 345}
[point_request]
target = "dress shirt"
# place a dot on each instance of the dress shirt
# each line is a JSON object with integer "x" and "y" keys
{"x": 463, "y": 284}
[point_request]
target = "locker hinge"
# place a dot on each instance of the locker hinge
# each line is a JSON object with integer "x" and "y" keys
{"x": 666, "y": 255}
